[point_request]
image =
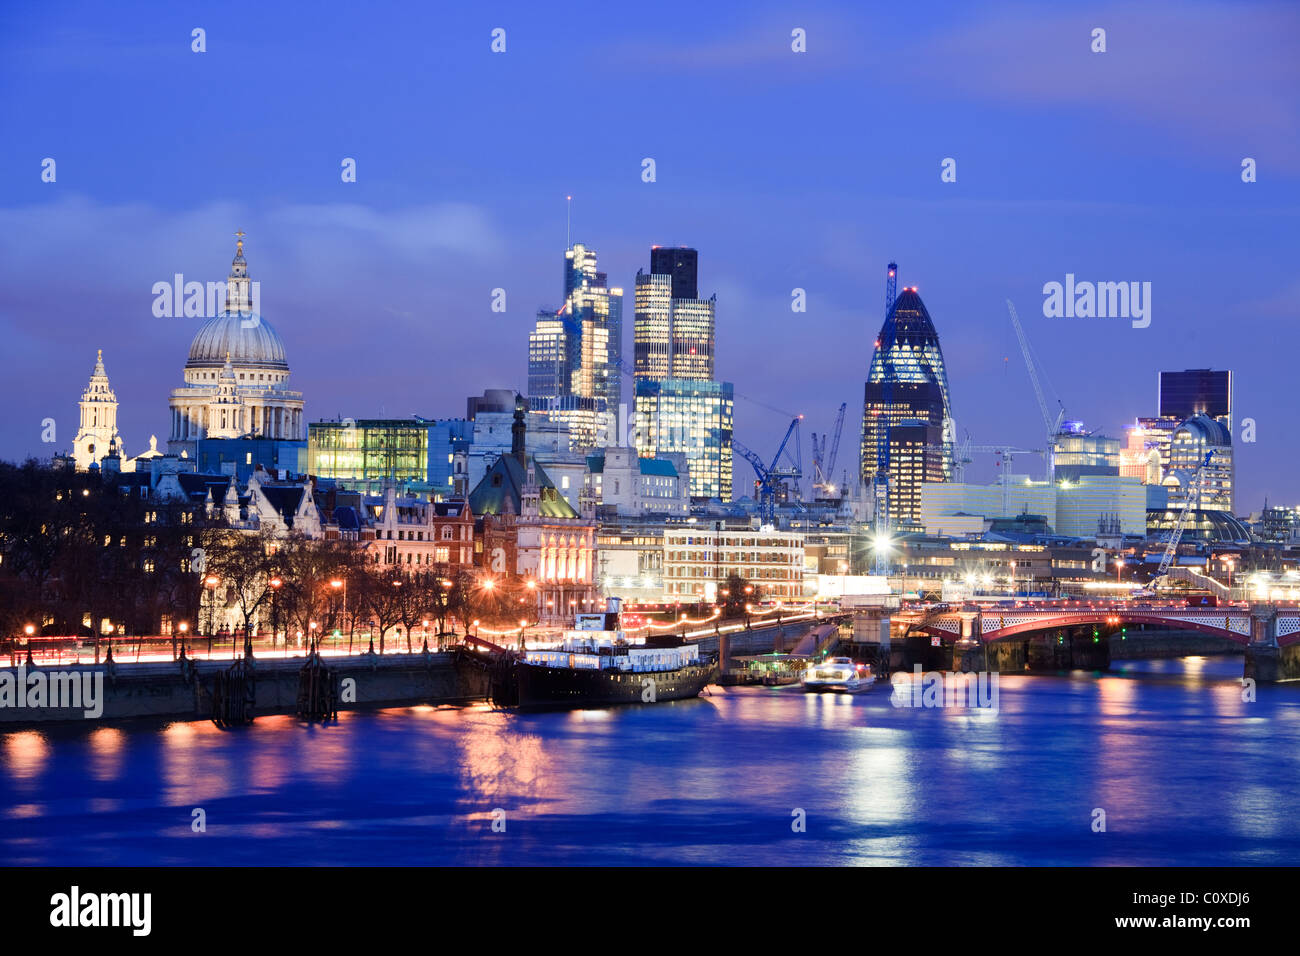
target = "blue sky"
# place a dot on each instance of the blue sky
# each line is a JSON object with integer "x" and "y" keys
{"x": 785, "y": 170}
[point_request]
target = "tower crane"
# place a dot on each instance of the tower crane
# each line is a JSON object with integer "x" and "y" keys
{"x": 824, "y": 466}
{"x": 1008, "y": 454}
{"x": 1052, "y": 423}
{"x": 1193, "y": 498}
{"x": 772, "y": 475}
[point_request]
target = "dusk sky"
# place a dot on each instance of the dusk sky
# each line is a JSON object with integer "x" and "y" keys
{"x": 785, "y": 170}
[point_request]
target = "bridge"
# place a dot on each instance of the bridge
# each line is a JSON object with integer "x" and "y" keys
{"x": 1269, "y": 633}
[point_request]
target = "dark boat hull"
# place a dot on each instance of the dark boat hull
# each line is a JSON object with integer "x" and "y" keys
{"x": 574, "y": 687}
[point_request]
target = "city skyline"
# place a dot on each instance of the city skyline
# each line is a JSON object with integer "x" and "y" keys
{"x": 403, "y": 262}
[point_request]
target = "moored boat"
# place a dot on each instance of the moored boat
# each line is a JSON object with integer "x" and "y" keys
{"x": 599, "y": 664}
{"x": 837, "y": 674}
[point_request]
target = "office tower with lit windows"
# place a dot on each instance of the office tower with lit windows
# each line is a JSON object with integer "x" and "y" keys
{"x": 915, "y": 457}
{"x": 1195, "y": 420}
{"x": 575, "y": 353}
{"x": 679, "y": 407}
{"x": 907, "y": 385}
{"x": 691, "y": 417}
{"x": 1193, "y": 440}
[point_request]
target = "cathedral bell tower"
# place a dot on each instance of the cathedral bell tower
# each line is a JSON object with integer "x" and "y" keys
{"x": 97, "y": 430}
{"x": 238, "y": 288}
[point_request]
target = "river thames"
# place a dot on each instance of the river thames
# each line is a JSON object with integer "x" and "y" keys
{"x": 1186, "y": 772}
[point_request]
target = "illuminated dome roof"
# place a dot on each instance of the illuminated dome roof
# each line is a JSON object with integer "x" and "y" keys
{"x": 248, "y": 339}
{"x": 1206, "y": 429}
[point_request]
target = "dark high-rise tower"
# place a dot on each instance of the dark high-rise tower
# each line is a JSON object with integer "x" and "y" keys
{"x": 682, "y": 264}
{"x": 1197, "y": 391}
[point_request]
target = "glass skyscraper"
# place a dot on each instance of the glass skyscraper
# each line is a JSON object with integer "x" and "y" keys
{"x": 575, "y": 353}
{"x": 692, "y": 417}
{"x": 907, "y": 385}
{"x": 679, "y": 406}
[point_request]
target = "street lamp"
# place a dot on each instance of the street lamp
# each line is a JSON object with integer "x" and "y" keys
{"x": 275, "y": 622}
{"x": 211, "y": 581}
{"x": 1119, "y": 569}
{"x": 337, "y": 585}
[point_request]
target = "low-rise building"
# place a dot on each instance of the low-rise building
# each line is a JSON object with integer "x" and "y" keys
{"x": 698, "y": 559}
{"x": 625, "y": 484}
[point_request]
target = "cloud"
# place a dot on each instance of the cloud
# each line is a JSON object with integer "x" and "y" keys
{"x": 830, "y": 45}
{"x": 1171, "y": 65}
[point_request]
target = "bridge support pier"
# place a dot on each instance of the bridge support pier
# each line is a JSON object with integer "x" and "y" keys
{"x": 1068, "y": 649}
{"x": 1266, "y": 660}
{"x": 1003, "y": 657}
{"x": 1268, "y": 663}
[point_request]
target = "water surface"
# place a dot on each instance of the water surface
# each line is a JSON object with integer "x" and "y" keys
{"x": 1186, "y": 772}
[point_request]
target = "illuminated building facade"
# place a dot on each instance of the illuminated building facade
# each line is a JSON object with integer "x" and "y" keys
{"x": 1192, "y": 441}
{"x": 693, "y": 418}
{"x": 1146, "y": 449}
{"x": 907, "y": 383}
{"x": 575, "y": 353}
{"x": 679, "y": 407}
{"x": 97, "y": 431}
{"x": 369, "y": 454}
{"x": 527, "y": 530}
{"x": 698, "y": 561}
{"x": 915, "y": 457}
{"x": 1077, "y": 452}
{"x": 236, "y": 376}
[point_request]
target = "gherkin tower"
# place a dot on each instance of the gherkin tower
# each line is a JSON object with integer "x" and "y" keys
{"x": 906, "y": 415}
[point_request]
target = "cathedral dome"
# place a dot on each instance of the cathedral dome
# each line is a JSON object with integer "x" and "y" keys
{"x": 246, "y": 338}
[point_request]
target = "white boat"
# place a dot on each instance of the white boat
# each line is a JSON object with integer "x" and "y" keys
{"x": 837, "y": 674}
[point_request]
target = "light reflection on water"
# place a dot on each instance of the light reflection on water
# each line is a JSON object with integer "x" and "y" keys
{"x": 1185, "y": 770}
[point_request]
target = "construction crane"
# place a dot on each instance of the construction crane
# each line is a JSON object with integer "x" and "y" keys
{"x": 1052, "y": 423}
{"x": 823, "y": 466}
{"x": 880, "y": 483}
{"x": 1008, "y": 454}
{"x": 772, "y": 476}
{"x": 1193, "y": 498}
